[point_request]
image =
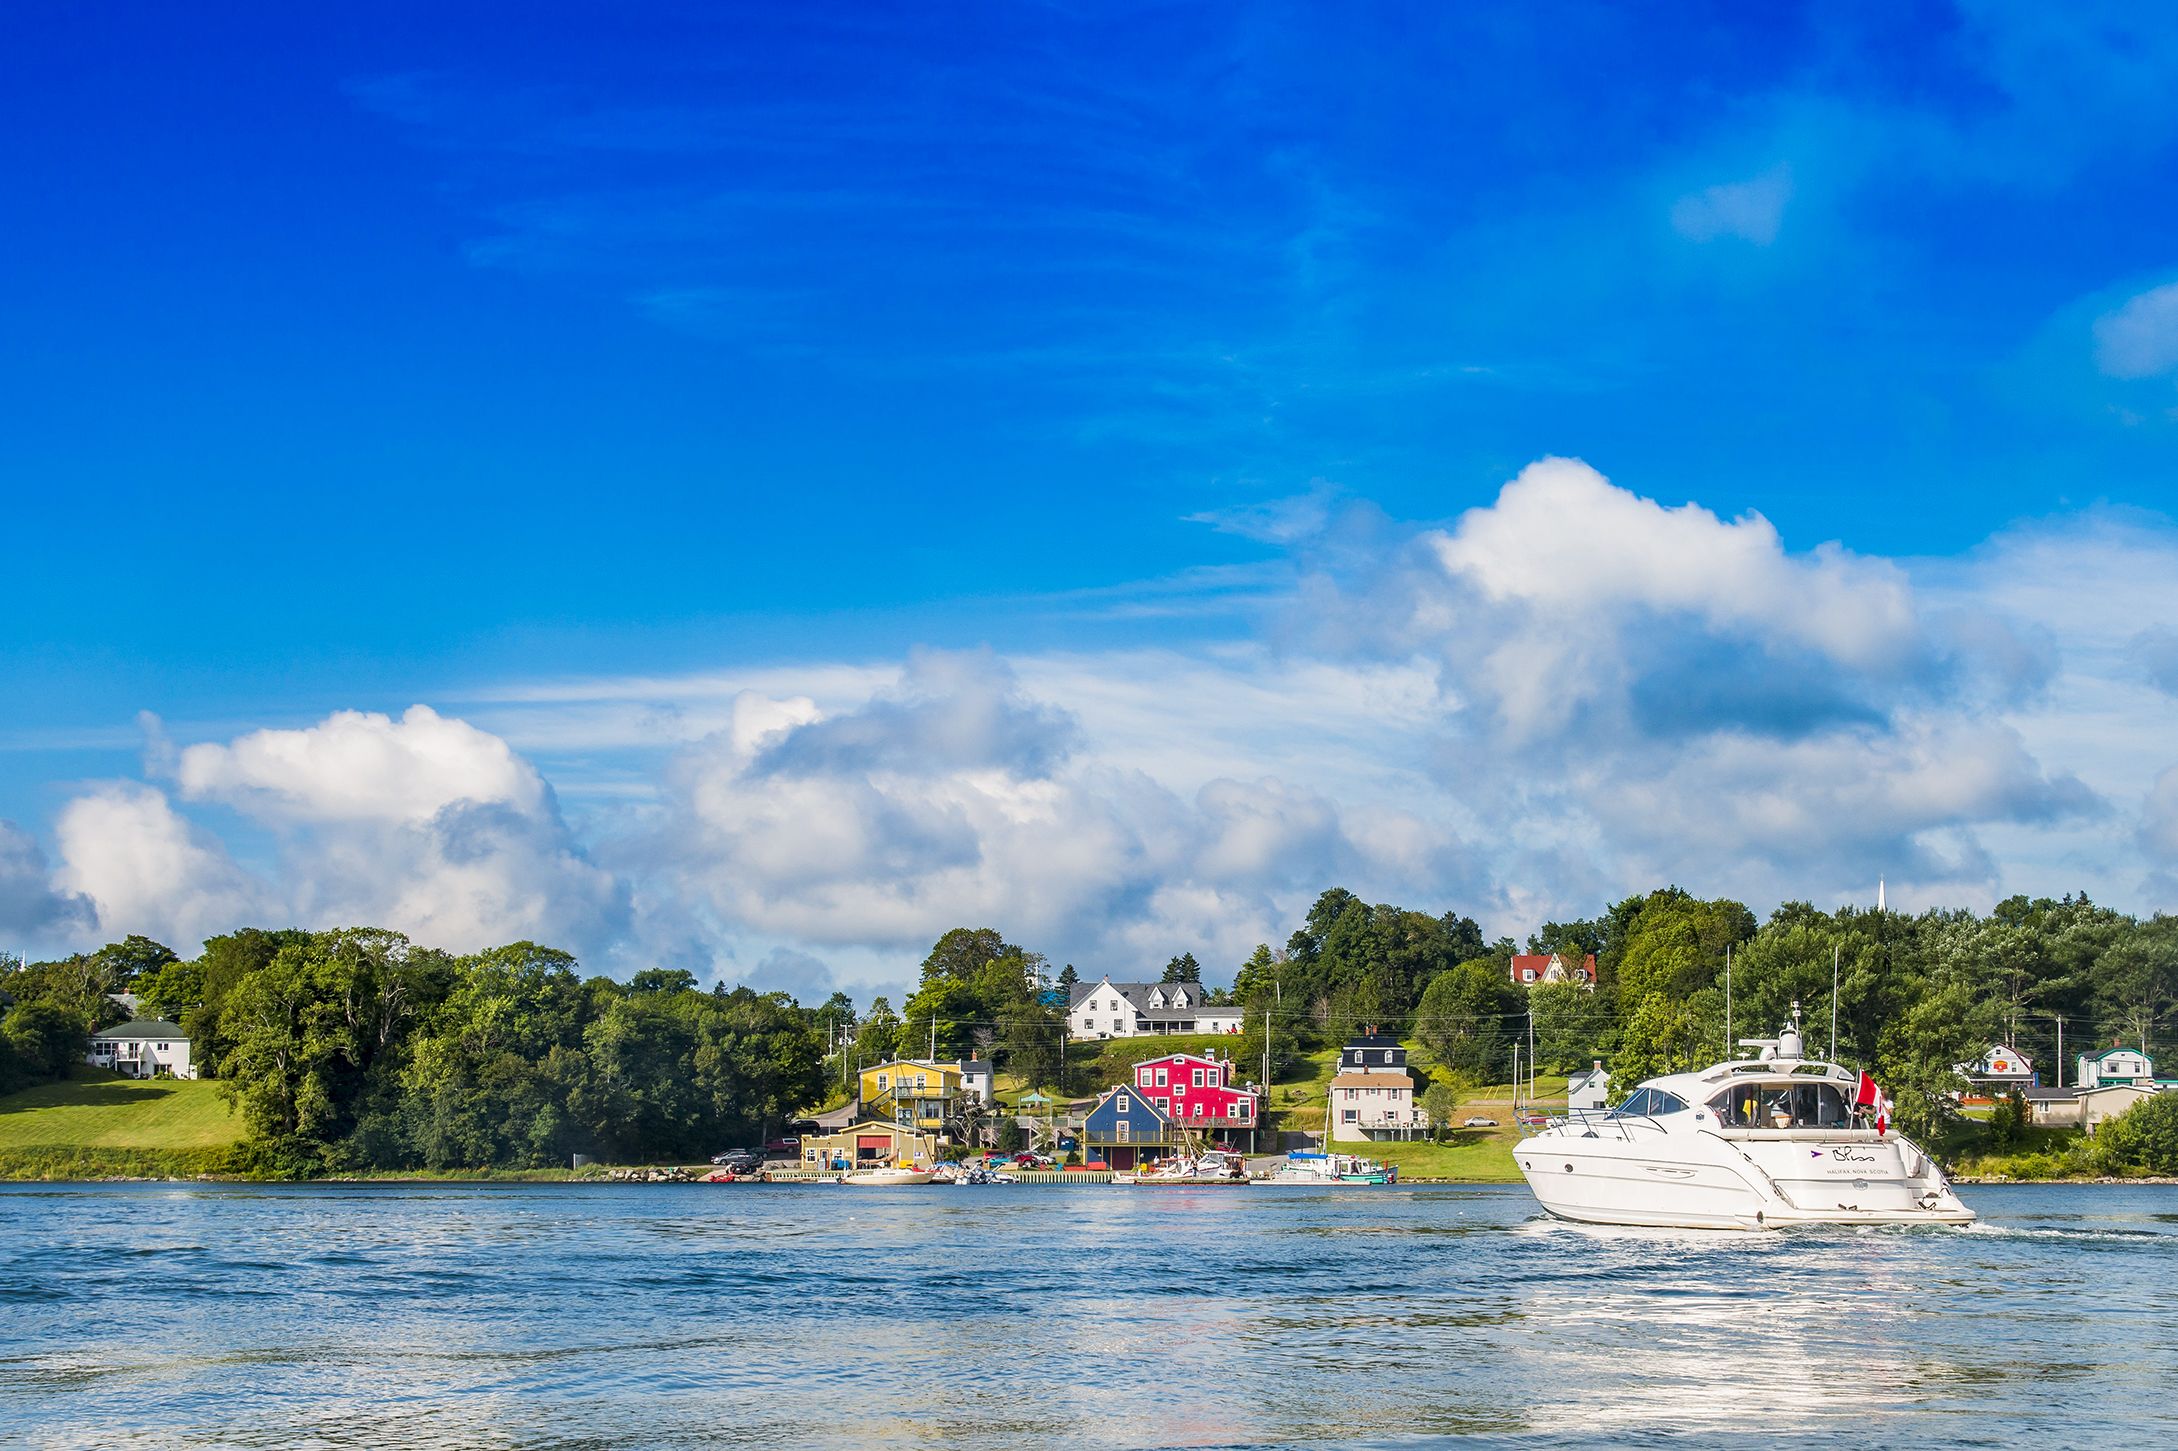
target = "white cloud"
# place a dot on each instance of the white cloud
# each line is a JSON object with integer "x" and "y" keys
{"x": 148, "y": 870}
{"x": 362, "y": 767}
{"x": 1751, "y": 210}
{"x": 1569, "y": 694}
{"x": 2140, "y": 338}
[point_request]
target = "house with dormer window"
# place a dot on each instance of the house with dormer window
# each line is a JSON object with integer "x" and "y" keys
{"x": 1107, "y": 1009}
{"x": 1531, "y": 968}
{"x": 1373, "y": 1095}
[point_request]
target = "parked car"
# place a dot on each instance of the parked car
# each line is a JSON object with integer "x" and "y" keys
{"x": 1028, "y": 1160}
{"x": 791, "y": 1144}
{"x": 739, "y": 1161}
{"x": 1480, "y": 1123}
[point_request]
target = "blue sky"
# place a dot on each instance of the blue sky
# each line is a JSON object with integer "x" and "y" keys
{"x": 1097, "y": 424}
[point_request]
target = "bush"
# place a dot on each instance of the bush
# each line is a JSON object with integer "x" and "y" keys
{"x": 2143, "y": 1139}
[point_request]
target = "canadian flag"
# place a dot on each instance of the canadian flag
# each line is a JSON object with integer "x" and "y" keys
{"x": 1867, "y": 1095}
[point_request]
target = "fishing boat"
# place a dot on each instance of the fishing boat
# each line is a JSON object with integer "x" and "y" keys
{"x": 1211, "y": 1167}
{"x": 1751, "y": 1143}
{"x": 1304, "y": 1166}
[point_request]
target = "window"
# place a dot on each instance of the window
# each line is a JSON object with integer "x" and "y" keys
{"x": 1115, "y": 1025}
{"x": 880, "y": 1083}
{"x": 1143, "y": 1078}
{"x": 1164, "y": 1105}
{"x": 1198, "y": 1108}
{"x": 1387, "y": 1055}
{"x": 1122, "y": 1109}
{"x": 1350, "y": 1116}
{"x": 1198, "y": 1078}
{"x": 1527, "y": 974}
{"x": 1160, "y": 1078}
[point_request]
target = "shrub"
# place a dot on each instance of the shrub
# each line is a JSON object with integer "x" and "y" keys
{"x": 2143, "y": 1139}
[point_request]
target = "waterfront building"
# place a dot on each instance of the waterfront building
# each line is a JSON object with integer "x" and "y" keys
{"x": 2082, "y": 1108}
{"x": 1107, "y": 1009}
{"x": 1529, "y": 968}
{"x": 1195, "y": 1092}
{"x": 143, "y": 1048}
{"x": 1373, "y": 1095}
{"x": 1124, "y": 1128}
{"x": 864, "y": 1145}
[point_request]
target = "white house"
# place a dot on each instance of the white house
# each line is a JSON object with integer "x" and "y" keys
{"x": 1107, "y": 1009}
{"x": 1373, "y": 1095}
{"x": 1590, "y": 1089}
{"x": 976, "y": 1079}
{"x": 2001, "y": 1067}
{"x": 2115, "y": 1065}
{"x": 143, "y": 1048}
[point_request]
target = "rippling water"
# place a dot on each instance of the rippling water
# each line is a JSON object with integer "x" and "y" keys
{"x": 591, "y": 1316}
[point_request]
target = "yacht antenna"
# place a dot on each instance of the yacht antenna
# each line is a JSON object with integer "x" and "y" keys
{"x": 1833, "y": 1002}
{"x": 1727, "y": 999}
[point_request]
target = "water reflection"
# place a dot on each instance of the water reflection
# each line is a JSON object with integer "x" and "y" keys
{"x": 1009, "y": 1317}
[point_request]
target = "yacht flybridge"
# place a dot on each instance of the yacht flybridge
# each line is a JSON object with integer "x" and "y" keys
{"x": 1755, "y": 1143}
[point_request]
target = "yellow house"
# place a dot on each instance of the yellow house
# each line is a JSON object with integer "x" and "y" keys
{"x": 911, "y": 1092}
{"x": 860, "y": 1146}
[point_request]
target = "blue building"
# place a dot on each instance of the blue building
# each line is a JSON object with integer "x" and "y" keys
{"x": 1122, "y": 1126}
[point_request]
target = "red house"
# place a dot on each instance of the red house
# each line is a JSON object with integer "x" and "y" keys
{"x": 1530, "y": 968}
{"x": 1198, "y": 1093}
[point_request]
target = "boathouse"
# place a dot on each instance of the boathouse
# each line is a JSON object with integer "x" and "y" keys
{"x": 1124, "y": 1128}
{"x": 859, "y": 1146}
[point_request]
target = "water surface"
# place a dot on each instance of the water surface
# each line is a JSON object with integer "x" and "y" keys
{"x": 788, "y": 1315}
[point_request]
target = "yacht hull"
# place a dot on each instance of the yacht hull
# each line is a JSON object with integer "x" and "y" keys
{"x": 1706, "y": 1181}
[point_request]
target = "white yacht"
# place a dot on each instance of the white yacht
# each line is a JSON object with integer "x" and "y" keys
{"x": 1754, "y": 1143}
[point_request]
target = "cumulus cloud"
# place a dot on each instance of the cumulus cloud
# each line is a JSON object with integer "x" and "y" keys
{"x": 31, "y": 908}
{"x": 147, "y": 869}
{"x": 2156, "y": 651}
{"x": 1568, "y": 693}
{"x": 953, "y": 796}
{"x": 355, "y": 766}
{"x": 1751, "y": 210}
{"x": 2140, "y": 338}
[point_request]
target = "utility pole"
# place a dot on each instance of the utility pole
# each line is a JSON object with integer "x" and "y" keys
{"x": 2060, "y": 1052}
{"x": 1531, "y": 1055}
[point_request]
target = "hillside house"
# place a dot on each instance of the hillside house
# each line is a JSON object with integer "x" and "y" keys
{"x": 1530, "y": 968}
{"x": 1372, "y": 1097}
{"x": 143, "y": 1048}
{"x": 2115, "y": 1065}
{"x": 1107, "y": 1009}
{"x": 1588, "y": 1089}
{"x": 2001, "y": 1068}
{"x": 921, "y": 1093}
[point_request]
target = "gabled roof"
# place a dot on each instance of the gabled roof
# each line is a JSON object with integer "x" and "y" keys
{"x": 1582, "y": 1079}
{"x": 1372, "y": 1040}
{"x": 1539, "y": 963}
{"x": 1193, "y": 996}
{"x": 141, "y": 1030}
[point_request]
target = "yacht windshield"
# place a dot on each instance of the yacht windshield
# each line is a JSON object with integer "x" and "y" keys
{"x": 1783, "y": 1106}
{"x": 1651, "y": 1103}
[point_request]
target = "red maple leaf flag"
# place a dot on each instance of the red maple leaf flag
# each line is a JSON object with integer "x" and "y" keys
{"x": 1867, "y": 1094}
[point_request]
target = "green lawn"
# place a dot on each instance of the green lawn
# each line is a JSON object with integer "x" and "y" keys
{"x": 100, "y": 1110}
{"x": 1475, "y": 1156}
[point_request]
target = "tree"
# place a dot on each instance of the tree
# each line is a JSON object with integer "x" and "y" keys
{"x": 2143, "y": 1139}
{"x": 1067, "y": 979}
{"x": 1465, "y": 1018}
{"x": 134, "y": 958}
{"x": 662, "y": 980}
{"x": 1183, "y": 968}
{"x": 1440, "y": 1103}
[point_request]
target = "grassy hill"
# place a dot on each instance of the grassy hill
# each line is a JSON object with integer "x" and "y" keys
{"x": 98, "y": 1124}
